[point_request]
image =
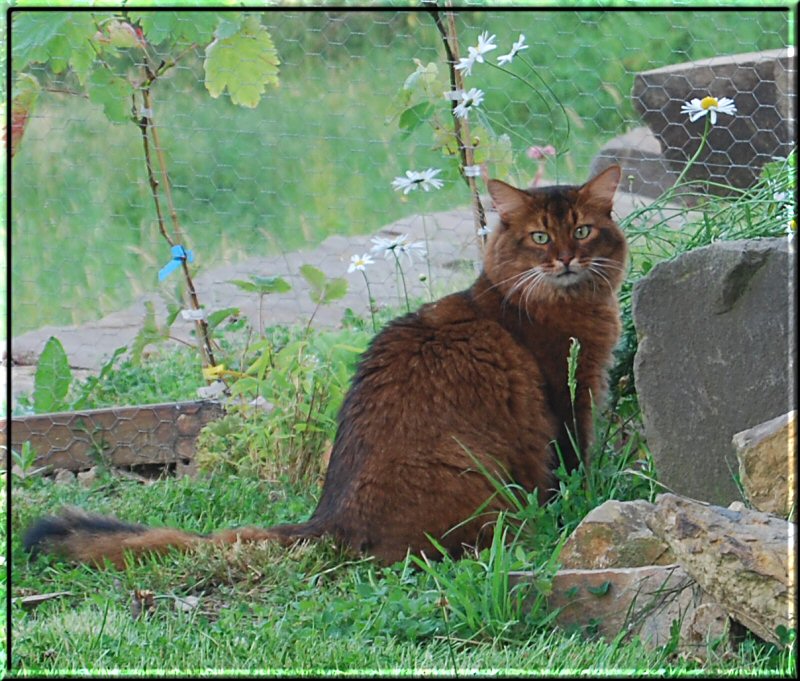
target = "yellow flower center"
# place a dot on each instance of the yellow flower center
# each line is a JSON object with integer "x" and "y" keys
{"x": 708, "y": 102}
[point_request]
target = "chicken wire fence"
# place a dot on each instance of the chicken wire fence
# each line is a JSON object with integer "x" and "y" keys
{"x": 247, "y": 145}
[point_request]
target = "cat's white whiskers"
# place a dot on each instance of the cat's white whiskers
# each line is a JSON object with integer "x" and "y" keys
{"x": 596, "y": 270}
{"x": 607, "y": 262}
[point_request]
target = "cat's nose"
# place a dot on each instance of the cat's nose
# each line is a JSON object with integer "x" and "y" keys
{"x": 565, "y": 258}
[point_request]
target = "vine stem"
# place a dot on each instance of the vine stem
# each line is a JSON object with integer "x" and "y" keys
{"x": 150, "y": 139}
{"x": 460, "y": 125}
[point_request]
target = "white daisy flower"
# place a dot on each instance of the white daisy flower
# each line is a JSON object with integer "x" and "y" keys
{"x": 791, "y": 229}
{"x": 359, "y": 262}
{"x": 415, "y": 179}
{"x": 485, "y": 44}
{"x": 411, "y": 248}
{"x": 468, "y": 100}
{"x": 697, "y": 108}
{"x": 484, "y": 231}
{"x": 516, "y": 48}
{"x": 399, "y": 244}
{"x": 429, "y": 179}
{"x": 465, "y": 64}
{"x": 472, "y": 171}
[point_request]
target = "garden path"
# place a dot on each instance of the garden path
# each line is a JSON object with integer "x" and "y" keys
{"x": 454, "y": 263}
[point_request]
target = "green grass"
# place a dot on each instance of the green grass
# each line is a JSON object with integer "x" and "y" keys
{"x": 317, "y": 156}
{"x": 267, "y": 609}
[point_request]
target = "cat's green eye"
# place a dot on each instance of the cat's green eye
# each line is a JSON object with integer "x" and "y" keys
{"x": 583, "y": 231}
{"x": 540, "y": 237}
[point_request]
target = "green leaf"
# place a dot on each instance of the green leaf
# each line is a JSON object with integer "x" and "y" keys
{"x": 113, "y": 93}
{"x": 34, "y": 33}
{"x": 323, "y": 290}
{"x": 61, "y": 38}
{"x": 245, "y": 63}
{"x": 334, "y": 290}
{"x": 315, "y": 279}
{"x": 219, "y": 316}
{"x": 263, "y": 285}
{"x": 52, "y": 379}
{"x": 188, "y": 27}
{"x": 415, "y": 116}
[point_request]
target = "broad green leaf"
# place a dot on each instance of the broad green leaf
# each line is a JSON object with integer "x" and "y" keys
{"x": 61, "y": 38}
{"x": 188, "y": 27}
{"x": 52, "y": 379}
{"x": 334, "y": 289}
{"x": 415, "y": 116}
{"x": 34, "y": 32}
{"x": 245, "y": 63}
{"x": 263, "y": 285}
{"x": 112, "y": 92}
{"x": 216, "y": 318}
{"x": 315, "y": 278}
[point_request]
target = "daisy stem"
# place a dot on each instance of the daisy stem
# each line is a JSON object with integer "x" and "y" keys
{"x": 399, "y": 268}
{"x": 691, "y": 161}
{"x": 427, "y": 258}
{"x": 369, "y": 300}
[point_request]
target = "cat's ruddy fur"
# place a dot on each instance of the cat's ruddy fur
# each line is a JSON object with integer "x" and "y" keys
{"x": 478, "y": 378}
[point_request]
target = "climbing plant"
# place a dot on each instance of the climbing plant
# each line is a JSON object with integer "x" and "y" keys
{"x": 115, "y": 59}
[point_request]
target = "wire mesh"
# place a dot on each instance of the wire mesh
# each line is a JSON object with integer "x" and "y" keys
{"x": 305, "y": 176}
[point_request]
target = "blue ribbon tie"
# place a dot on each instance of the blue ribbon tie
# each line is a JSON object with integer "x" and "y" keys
{"x": 179, "y": 254}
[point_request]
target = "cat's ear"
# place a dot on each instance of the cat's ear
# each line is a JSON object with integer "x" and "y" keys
{"x": 600, "y": 189}
{"x": 507, "y": 199}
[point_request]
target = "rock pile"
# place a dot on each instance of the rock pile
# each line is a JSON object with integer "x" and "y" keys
{"x": 677, "y": 572}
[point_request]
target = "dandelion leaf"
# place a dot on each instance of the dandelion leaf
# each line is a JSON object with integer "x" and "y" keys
{"x": 245, "y": 63}
{"x": 52, "y": 378}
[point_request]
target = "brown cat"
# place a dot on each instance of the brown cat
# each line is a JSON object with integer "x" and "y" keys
{"x": 478, "y": 375}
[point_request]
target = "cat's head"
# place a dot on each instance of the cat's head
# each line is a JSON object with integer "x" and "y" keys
{"x": 556, "y": 241}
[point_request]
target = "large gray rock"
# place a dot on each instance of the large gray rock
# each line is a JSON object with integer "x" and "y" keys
{"x": 762, "y": 87}
{"x": 716, "y": 355}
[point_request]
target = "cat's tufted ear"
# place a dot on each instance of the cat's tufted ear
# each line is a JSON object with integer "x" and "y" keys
{"x": 600, "y": 189}
{"x": 507, "y": 199}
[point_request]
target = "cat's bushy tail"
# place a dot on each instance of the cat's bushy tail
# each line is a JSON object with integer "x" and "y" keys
{"x": 82, "y": 537}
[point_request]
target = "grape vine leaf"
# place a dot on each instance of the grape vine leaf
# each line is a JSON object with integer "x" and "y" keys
{"x": 113, "y": 93}
{"x": 188, "y": 27}
{"x": 245, "y": 63}
{"x": 60, "y": 38}
{"x": 26, "y": 92}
